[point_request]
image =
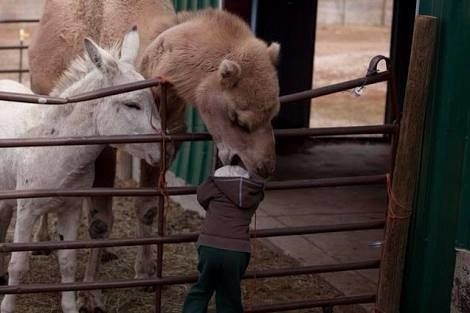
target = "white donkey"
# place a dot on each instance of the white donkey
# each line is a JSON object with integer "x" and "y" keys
{"x": 72, "y": 166}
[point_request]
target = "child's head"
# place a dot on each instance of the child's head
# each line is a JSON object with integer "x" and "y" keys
{"x": 231, "y": 171}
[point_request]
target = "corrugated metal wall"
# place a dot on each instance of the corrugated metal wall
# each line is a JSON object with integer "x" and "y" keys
{"x": 194, "y": 160}
{"x": 181, "y": 5}
{"x": 441, "y": 216}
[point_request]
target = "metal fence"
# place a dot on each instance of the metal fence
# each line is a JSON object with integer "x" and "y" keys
{"x": 161, "y": 239}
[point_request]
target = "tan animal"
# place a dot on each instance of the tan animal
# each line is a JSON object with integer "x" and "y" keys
{"x": 213, "y": 61}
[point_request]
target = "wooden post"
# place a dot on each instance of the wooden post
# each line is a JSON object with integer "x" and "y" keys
{"x": 405, "y": 174}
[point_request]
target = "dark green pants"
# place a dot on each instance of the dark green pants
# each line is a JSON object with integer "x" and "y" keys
{"x": 220, "y": 271}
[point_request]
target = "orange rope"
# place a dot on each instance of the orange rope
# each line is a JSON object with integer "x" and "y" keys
{"x": 161, "y": 184}
{"x": 391, "y": 196}
{"x": 391, "y": 217}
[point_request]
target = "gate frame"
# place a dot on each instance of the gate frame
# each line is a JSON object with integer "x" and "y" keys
{"x": 373, "y": 76}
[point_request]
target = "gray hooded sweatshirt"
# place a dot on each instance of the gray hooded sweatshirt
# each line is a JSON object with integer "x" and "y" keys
{"x": 230, "y": 202}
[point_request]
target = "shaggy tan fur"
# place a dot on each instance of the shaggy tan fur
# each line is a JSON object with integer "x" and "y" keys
{"x": 65, "y": 24}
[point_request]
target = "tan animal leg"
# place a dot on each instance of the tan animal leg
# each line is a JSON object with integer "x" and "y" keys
{"x": 100, "y": 223}
{"x": 5, "y": 219}
{"x": 146, "y": 211}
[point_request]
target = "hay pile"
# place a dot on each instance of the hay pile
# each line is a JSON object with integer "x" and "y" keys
{"x": 179, "y": 259}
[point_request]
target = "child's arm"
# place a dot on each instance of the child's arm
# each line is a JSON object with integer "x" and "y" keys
{"x": 205, "y": 193}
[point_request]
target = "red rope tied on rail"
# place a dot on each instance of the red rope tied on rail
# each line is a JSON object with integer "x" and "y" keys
{"x": 392, "y": 216}
{"x": 161, "y": 183}
{"x": 392, "y": 198}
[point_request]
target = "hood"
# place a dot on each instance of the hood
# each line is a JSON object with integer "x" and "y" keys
{"x": 243, "y": 192}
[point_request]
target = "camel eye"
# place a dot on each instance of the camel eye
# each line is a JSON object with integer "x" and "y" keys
{"x": 132, "y": 105}
{"x": 233, "y": 116}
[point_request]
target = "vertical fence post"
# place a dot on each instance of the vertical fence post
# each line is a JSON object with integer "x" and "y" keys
{"x": 402, "y": 189}
{"x": 161, "y": 199}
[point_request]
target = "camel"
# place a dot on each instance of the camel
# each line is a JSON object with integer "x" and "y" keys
{"x": 73, "y": 166}
{"x": 213, "y": 61}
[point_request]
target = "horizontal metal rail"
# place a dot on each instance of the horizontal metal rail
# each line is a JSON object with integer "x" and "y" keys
{"x": 18, "y": 47}
{"x": 43, "y": 99}
{"x": 280, "y": 307}
{"x": 327, "y": 90}
{"x": 14, "y": 21}
{"x": 186, "y": 238}
{"x": 121, "y": 139}
{"x": 187, "y": 190}
{"x": 178, "y": 280}
{"x": 13, "y": 72}
{"x": 86, "y": 96}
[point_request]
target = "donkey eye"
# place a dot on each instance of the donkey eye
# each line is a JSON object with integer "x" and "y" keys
{"x": 132, "y": 105}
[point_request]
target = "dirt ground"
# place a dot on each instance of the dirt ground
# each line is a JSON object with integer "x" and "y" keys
{"x": 343, "y": 53}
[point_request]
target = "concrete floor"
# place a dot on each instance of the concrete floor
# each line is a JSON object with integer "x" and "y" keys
{"x": 328, "y": 206}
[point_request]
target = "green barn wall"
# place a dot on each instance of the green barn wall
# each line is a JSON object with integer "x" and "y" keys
{"x": 442, "y": 210}
{"x": 194, "y": 160}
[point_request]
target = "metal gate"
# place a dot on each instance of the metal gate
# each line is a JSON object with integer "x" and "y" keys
{"x": 373, "y": 76}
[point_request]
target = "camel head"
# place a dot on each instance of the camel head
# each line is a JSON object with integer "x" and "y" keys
{"x": 237, "y": 103}
{"x": 216, "y": 63}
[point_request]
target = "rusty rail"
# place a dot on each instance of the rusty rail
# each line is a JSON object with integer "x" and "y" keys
{"x": 18, "y": 47}
{"x": 187, "y": 190}
{"x": 86, "y": 96}
{"x": 320, "y": 303}
{"x": 120, "y": 139}
{"x": 18, "y": 21}
{"x": 13, "y": 71}
{"x": 186, "y": 238}
{"x": 178, "y": 280}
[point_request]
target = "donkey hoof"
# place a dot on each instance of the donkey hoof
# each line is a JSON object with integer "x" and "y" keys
{"x": 44, "y": 252}
{"x": 107, "y": 256}
{"x": 4, "y": 280}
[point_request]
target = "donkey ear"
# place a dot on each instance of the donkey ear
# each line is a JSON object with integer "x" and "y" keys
{"x": 130, "y": 46}
{"x": 229, "y": 72}
{"x": 273, "y": 51}
{"x": 101, "y": 58}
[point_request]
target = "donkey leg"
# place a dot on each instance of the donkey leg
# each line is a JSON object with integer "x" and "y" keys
{"x": 42, "y": 234}
{"x": 19, "y": 263}
{"x": 5, "y": 219}
{"x": 91, "y": 301}
{"x": 100, "y": 222}
{"x": 67, "y": 225}
{"x": 146, "y": 210}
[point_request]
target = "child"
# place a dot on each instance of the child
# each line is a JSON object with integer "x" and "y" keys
{"x": 230, "y": 199}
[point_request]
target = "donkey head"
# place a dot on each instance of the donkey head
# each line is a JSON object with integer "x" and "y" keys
{"x": 128, "y": 113}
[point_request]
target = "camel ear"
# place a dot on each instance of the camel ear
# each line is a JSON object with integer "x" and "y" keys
{"x": 103, "y": 61}
{"x": 273, "y": 51}
{"x": 130, "y": 46}
{"x": 229, "y": 72}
